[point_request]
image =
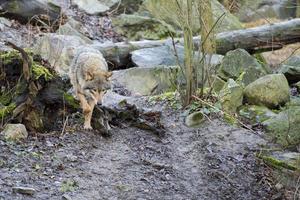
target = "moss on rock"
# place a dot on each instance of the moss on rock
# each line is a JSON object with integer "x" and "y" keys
{"x": 278, "y": 164}
{"x": 137, "y": 27}
{"x": 9, "y": 56}
{"x": 41, "y": 71}
{"x": 71, "y": 101}
{"x": 5, "y": 98}
{"x": 6, "y": 110}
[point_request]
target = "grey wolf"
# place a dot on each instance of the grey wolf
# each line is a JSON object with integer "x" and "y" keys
{"x": 90, "y": 79}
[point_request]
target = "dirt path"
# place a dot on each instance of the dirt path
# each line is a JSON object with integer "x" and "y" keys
{"x": 212, "y": 162}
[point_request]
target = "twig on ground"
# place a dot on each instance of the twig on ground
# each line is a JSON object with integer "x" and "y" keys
{"x": 64, "y": 127}
{"x": 224, "y": 113}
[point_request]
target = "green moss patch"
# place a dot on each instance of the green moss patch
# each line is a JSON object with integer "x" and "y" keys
{"x": 41, "y": 71}
{"x": 278, "y": 164}
{"x": 6, "y": 110}
{"x": 71, "y": 101}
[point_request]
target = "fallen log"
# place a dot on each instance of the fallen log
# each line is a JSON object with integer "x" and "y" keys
{"x": 254, "y": 40}
{"x": 260, "y": 39}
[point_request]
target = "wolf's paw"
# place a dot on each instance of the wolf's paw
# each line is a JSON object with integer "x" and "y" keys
{"x": 87, "y": 127}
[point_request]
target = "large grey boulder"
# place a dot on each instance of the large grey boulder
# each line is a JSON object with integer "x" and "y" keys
{"x": 285, "y": 126}
{"x": 164, "y": 55}
{"x": 264, "y": 9}
{"x": 15, "y": 132}
{"x": 227, "y": 23}
{"x": 136, "y": 27}
{"x": 231, "y": 96}
{"x": 239, "y": 64}
{"x": 291, "y": 69}
{"x": 256, "y": 114}
{"x": 25, "y": 10}
{"x": 74, "y": 28}
{"x": 271, "y": 90}
{"x": 148, "y": 80}
{"x": 94, "y": 7}
{"x": 58, "y": 50}
{"x": 151, "y": 57}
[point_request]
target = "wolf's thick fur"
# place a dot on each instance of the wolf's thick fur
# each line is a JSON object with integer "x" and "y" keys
{"x": 90, "y": 78}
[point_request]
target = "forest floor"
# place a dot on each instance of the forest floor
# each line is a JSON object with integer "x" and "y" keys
{"x": 216, "y": 161}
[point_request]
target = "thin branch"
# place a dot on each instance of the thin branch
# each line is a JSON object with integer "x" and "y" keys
{"x": 224, "y": 113}
{"x": 26, "y": 60}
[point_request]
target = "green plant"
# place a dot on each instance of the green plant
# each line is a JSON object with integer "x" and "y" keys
{"x": 170, "y": 98}
{"x": 68, "y": 186}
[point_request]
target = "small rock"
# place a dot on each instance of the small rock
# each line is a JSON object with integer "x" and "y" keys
{"x": 231, "y": 96}
{"x": 72, "y": 158}
{"x": 15, "y": 132}
{"x": 271, "y": 91}
{"x": 218, "y": 83}
{"x": 49, "y": 144}
{"x": 194, "y": 120}
{"x": 278, "y": 186}
{"x": 24, "y": 190}
{"x": 66, "y": 197}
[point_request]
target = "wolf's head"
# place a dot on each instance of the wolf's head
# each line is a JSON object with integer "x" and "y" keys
{"x": 97, "y": 85}
{"x": 98, "y": 81}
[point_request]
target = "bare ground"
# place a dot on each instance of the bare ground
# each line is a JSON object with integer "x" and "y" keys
{"x": 215, "y": 161}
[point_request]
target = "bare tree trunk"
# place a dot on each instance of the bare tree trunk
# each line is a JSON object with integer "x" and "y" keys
{"x": 188, "y": 57}
{"x": 298, "y": 9}
{"x": 208, "y": 43}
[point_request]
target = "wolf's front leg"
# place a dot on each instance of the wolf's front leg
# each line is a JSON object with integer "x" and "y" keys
{"x": 87, "y": 120}
{"x": 87, "y": 111}
{"x": 88, "y": 115}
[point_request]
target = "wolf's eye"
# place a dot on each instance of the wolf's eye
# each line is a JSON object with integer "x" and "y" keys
{"x": 93, "y": 90}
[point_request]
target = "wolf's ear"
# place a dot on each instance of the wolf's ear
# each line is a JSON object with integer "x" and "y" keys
{"x": 108, "y": 74}
{"x": 89, "y": 76}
